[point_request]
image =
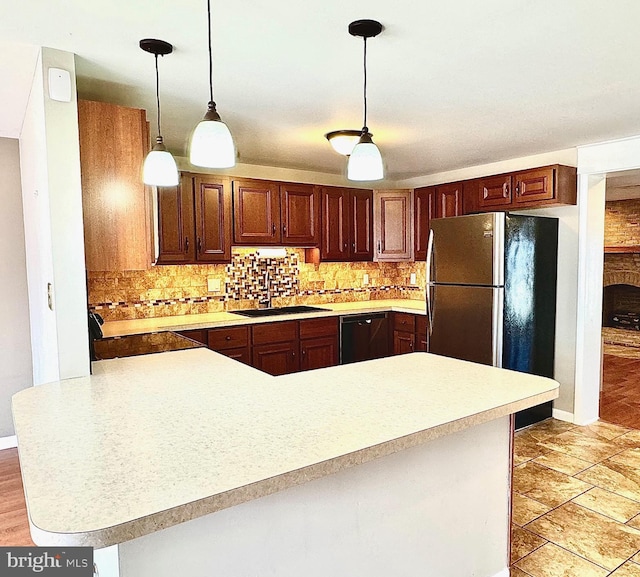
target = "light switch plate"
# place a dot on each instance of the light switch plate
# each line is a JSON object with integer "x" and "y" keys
{"x": 412, "y": 278}
{"x": 365, "y": 279}
{"x": 213, "y": 285}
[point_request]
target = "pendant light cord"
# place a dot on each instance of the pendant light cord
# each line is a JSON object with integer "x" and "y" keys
{"x": 365, "y": 83}
{"x": 210, "y": 52}
{"x": 158, "y": 94}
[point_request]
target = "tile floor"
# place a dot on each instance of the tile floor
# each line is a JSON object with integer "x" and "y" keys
{"x": 576, "y": 502}
{"x": 620, "y": 394}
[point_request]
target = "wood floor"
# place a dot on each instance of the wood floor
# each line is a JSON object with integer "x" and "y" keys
{"x": 620, "y": 394}
{"x": 14, "y": 526}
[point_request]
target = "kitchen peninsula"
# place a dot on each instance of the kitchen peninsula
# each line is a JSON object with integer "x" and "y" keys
{"x": 196, "y": 464}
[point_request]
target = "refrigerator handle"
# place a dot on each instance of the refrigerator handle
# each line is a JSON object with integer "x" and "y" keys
{"x": 428, "y": 281}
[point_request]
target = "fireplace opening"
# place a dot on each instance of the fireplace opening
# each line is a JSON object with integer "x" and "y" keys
{"x": 621, "y": 307}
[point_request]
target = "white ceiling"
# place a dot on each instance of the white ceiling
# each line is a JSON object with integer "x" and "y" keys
{"x": 451, "y": 84}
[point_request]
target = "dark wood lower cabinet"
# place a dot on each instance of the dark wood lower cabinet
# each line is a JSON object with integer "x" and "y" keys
{"x": 403, "y": 342}
{"x": 276, "y": 358}
{"x": 318, "y": 353}
{"x": 409, "y": 333}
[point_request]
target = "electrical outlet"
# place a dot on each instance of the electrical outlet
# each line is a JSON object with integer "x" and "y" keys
{"x": 365, "y": 279}
{"x": 412, "y": 278}
{"x": 213, "y": 285}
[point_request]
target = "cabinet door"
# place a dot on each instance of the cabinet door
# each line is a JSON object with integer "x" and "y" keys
{"x": 212, "y": 219}
{"x": 276, "y": 358}
{"x": 533, "y": 185}
{"x": 494, "y": 192}
{"x": 361, "y": 225}
{"x": 403, "y": 342}
{"x": 421, "y": 333}
{"x": 300, "y": 214}
{"x": 334, "y": 241}
{"x": 392, "y": 225}
{"x": 176, "y": 223}
{"x": 424, "y": 209}
{"x": 256, "y": 211}
{"x": 318, "y": 353}
{"x": 116, "y": 205}
{"x": 449, "y": 200}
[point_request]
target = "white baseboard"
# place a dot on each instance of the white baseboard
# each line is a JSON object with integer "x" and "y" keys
{"x": 503, "y": 573}
{"x": 8, "y": 442}
{"x": 563, "y": 415}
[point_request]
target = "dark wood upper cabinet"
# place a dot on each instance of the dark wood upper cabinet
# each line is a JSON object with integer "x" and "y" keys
{"x": 449, "y": 200}
{"x": 424, "y": 209}
{"x": 533, "y": 185}
{"x": 176, "y": 234}
{"x": 553, "y": 185}
{"x": 361, "y": 228}
{"x": 300, "y": 214}
{"x": 194, "y": 221}
{"x": 256, "y": 212}
{"x": 335, "y": 238}
{"x": 268, "y": 212}
{"x": 494, "y": 192}
{"x": 347, "y": 224}
{"x": 212, "y": 220}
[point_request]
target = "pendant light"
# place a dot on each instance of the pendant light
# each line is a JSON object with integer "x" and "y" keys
{"x": 211, "y": 142}
{"x": 159, "y": 167}
{"x": 365, "y": 161}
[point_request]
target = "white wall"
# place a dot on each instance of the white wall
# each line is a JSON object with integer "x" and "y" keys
{"x": 15, "y": 340}
{"x": 52, "y": 205}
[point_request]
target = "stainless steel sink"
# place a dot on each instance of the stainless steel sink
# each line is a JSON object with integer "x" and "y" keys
{"x": 277, "y": 311}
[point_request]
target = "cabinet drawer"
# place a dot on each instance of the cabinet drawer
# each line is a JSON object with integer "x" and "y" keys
{"x": 198, "y": 335}
{"x": 312, "y": 328}
{"x": 241, "y": 354}
{"x": 404, "y": 322}
{"x": 228, "y": 338}
{"x": 275, "y": 332}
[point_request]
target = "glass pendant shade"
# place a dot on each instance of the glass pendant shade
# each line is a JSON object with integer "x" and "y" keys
{"x": 160, "y": 167}
{"x": 211, "y": 142}
{"x": 343, "y": 141}
{"x": 365, "y": 162}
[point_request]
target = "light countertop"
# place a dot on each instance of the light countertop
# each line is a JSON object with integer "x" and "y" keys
{"x": 152, "y": 441}
{"x": 223, "y": 319}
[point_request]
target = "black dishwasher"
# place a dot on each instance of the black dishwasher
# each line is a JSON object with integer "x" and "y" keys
{"x": 363, "y": 337}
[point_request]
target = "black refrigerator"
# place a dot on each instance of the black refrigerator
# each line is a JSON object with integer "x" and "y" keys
{"x": 491, "y": 293}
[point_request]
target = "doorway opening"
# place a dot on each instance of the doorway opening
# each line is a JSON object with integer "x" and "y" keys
{"x": 620, "y": 388}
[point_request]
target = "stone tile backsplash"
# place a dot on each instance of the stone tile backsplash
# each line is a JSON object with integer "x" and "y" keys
{"x": 169, "y": 290}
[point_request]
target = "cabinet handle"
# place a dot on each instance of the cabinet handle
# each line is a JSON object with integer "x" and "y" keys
{"x": 284, "y": 228}
{"x": 293, "y": 354}
{"x": 199, "y": 245}
{"x": 345, "y": 246}
{"x": 186, "y": 244}
{"x": 273, "y": 229}
{"x": 410, "y": 345}
{"x": 227, "y": 338}
{"x": 518, "y": 189}
{"x": 304, "y": 352}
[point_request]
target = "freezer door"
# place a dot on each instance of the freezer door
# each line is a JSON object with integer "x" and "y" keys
{"x": 468, "y": 250}
{"x": 466, "y": 323}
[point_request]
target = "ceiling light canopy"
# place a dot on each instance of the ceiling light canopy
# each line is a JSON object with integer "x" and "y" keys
{"x": 159, "y": 166}
{"x": 365, "y": 161}
{"x": 211, "y": 142}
